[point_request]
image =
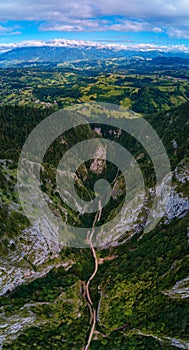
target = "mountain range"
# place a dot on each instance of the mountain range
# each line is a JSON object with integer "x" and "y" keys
{"x": 70, "y": 52}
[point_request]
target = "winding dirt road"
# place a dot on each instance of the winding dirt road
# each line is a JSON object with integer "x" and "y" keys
{"x": 86, "y": 286}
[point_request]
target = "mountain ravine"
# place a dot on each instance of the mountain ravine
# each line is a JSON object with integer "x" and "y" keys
{"x": 135, "y": 288}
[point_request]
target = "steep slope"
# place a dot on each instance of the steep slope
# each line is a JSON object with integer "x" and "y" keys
{"x": 140, "y": 292}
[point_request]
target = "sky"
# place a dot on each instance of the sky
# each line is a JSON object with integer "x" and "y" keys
{"x": 139, "y": 24}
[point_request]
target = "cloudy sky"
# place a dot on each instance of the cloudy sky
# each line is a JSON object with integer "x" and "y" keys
{"x": 157, "y": 23}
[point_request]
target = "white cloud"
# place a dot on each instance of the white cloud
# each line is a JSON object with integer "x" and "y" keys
{"x": 86, "y": 15}
{"x": 157, "y": 10}
{"x": 157, "y": 30}
{"x": 77, "y": 25}
{"x": 177, "y": 33}
{"x": 134, "y": 26}
{"x": 45, "y": 9}
{"x": 5, "y": 30}
{"x": 100, "y": 25}
{"x": 63, "y": 28}
{"x": 82, "y": 43}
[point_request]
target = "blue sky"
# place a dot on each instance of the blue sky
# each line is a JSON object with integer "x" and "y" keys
{"x": 134, "y": 23}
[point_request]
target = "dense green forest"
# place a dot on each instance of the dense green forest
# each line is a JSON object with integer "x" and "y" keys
{"x": 141, "y": 288}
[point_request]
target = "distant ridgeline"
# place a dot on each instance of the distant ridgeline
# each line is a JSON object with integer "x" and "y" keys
{"x": 70, "y": 53}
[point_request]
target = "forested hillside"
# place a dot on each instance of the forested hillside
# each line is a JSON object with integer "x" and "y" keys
{"x": 140, "y": 291}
